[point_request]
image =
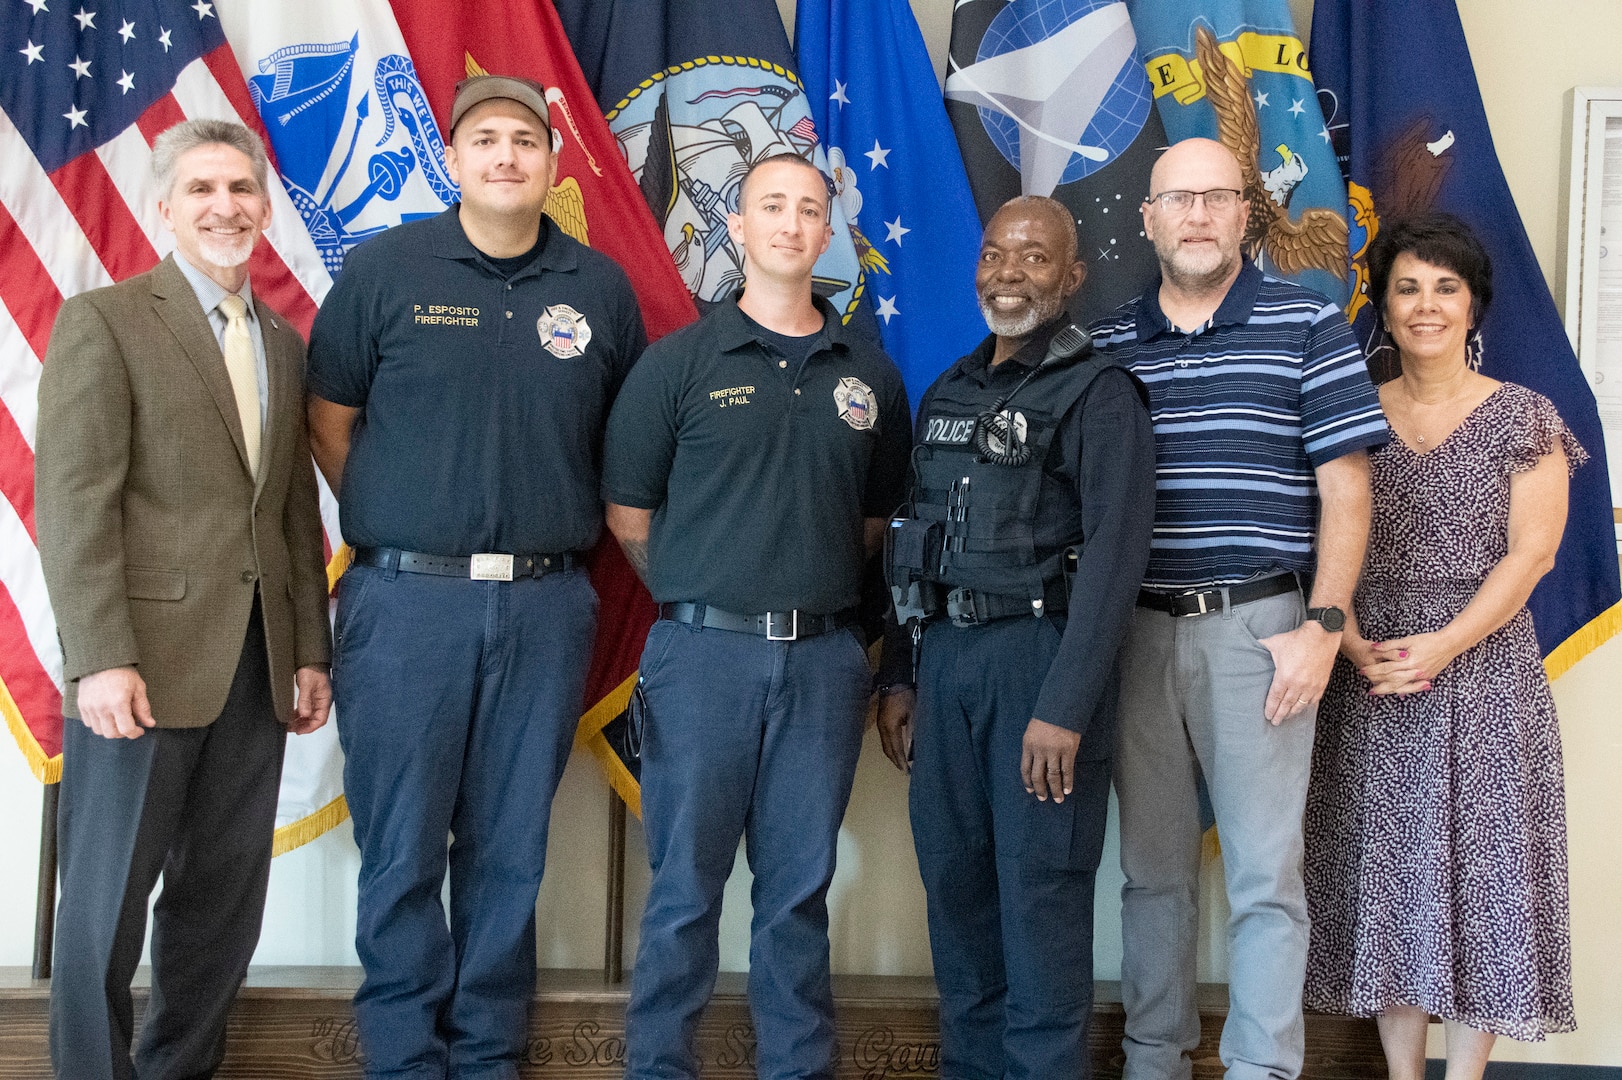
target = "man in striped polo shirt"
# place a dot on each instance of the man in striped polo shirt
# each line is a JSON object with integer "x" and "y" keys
{"x": 1262, "y": 411}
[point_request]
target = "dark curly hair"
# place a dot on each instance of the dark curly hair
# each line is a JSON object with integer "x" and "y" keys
{"x": 1441, "y": 240}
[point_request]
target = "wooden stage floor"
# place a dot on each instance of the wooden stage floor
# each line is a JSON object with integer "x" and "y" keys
{"x": 295, "y": 1024}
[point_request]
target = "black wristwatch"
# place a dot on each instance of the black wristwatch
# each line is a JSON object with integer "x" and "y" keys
{"x": 1332, "y": 619}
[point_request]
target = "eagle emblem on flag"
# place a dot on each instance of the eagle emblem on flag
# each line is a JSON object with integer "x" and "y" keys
{"x": 1318, "y": 240}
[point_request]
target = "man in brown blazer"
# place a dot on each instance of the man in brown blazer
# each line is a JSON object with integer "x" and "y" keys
{"x": 181, "y": 538}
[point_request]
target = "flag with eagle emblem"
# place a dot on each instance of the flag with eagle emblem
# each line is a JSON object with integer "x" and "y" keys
{"x": 1236, "y": 71}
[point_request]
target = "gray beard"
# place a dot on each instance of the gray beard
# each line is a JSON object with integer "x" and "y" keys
{"x": 226, "y": 255}
{"x": 1016, "y": 326}
{"x": 1192, "y": 280}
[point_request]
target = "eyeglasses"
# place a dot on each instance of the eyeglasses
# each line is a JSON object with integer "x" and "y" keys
{"x": 1216, "y": 200}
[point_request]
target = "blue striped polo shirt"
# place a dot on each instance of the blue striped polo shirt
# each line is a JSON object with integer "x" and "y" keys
{"x": 1244, "y": 408}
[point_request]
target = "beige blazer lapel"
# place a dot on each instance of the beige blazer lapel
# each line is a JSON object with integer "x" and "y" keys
{"x": 177, "y": 306}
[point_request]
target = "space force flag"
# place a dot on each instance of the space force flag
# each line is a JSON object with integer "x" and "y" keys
{"x": 898, "y": 176}
{"x": 1235, "y": 71}
{"x": 1409, "y": 141}
{"x": 1049, "y": 97}
{"x": 695, "y": 92}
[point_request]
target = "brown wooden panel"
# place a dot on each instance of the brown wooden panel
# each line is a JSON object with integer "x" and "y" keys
{"x": 295, "y": 1024}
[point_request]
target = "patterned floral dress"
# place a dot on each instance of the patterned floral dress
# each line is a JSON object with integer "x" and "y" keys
{"x": 1435, "y": 825}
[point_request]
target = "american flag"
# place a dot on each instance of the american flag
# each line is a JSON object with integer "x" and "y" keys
{"x": 85, "y": 87}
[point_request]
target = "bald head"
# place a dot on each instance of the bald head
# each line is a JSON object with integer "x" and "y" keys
{"x": 1195, "y": 165}
{"x": 1198, "y": 244}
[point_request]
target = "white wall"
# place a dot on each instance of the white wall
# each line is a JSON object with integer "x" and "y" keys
{"x": 1524, "y": 65}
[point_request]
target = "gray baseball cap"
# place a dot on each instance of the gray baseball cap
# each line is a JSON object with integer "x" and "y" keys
{"x": 527, "y": 92}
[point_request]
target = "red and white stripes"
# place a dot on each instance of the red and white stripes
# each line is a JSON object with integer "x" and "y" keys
{"x": 92, "y": 222}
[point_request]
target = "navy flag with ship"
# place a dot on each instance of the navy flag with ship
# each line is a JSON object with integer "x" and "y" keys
{"x": 696, "y": 93}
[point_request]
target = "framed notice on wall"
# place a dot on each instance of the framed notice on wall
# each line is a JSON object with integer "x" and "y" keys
{"x": 1592, "y": 275}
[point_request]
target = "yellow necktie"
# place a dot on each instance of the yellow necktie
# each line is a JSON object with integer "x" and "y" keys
{"x": 244, "y": 372}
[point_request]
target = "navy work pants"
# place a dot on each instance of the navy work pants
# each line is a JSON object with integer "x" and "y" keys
{"x": 457, "y": 703}
{"x": 753, "y": 738}
{"x": 1009, "y": 879}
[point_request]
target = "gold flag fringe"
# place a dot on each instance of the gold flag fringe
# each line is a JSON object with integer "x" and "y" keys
{"x": 1594, "y": 633}
{"x": 298, "y": 833}
{"x": 335, "y": 569}
{"x": 1210, "y": 847}
{"x": 47, "y": 770}
{"x": 590, "y": 736}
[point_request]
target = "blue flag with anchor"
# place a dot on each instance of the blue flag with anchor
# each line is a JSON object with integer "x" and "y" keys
{"x": 1236, "y": 71}
{"x": 898, "y": 175}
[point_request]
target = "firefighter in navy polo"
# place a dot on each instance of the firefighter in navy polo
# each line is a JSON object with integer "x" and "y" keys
{"x": 751, "y": 463}
{"x": 461, "y": 372}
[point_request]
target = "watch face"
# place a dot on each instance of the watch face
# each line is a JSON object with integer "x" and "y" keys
{"x": 1332, "y": 618}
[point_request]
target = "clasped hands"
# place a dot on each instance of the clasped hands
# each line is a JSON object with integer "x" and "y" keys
{"x": 1404, "y": 665}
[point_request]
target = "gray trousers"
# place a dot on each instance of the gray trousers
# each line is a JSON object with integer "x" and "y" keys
{"x": 1193, "y": 691}
{"x": 199, "y": 806}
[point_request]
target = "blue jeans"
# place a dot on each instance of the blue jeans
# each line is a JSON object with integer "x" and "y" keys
{"x": 457, "y": 703}
{"x": 1009, "y": 878}
{"x": 1192, "y": 693}
{"x": 753, "y": 738}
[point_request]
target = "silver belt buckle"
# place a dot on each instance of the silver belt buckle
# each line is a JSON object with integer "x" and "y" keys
{"x": 794, "y": 626}
{"x": 491, "y": 566}
{"x": 1199, "y": 596}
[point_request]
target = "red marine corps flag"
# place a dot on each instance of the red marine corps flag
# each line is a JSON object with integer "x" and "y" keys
{"x": 598, "y": 203}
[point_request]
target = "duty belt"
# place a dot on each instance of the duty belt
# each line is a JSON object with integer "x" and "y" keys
{"x": 1185, "y": 604}
{"x": 483, "y": 566}
{"x": 970, "y": 607}
{"x": 772, "y": 625}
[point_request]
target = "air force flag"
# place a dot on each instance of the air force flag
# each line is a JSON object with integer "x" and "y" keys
{"x": 898, "y": 176}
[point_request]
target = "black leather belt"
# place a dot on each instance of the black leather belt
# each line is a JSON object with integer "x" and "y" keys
{"x": 484, "y": 566}
{"x": 772, "y": 625}
{"x": 1185, "y": 604}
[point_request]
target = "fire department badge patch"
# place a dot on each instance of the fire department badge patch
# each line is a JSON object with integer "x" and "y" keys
{"x": 564, "y": 331}
{"x": 856, "y": 405}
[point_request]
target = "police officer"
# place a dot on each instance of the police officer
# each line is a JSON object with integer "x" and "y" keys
{"x": 461, "y": 371}
{"x": 751, "y": 463}
{"x": 1014, "y": 567}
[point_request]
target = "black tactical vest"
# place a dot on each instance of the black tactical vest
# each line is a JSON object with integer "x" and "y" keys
{"x": 1002, "y": 529}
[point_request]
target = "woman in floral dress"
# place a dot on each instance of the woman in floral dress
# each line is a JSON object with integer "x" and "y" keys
{"x": 1435, "y": 830}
